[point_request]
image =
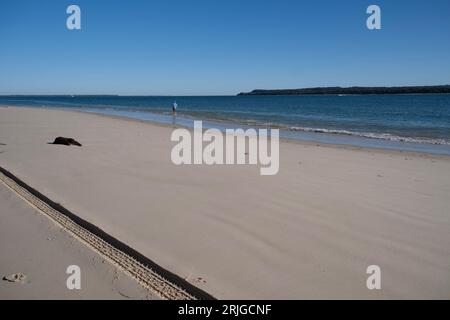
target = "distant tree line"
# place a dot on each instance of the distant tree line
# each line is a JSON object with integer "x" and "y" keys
{"x": 350, "y": 90}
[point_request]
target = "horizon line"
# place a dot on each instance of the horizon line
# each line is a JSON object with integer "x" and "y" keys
{"x": 204, "y": 95}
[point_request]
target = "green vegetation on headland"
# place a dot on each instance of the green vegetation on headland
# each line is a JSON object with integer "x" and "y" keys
{"x": 350, "y": 90}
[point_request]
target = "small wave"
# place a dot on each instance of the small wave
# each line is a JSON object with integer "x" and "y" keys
{"x": 371, "y": 135}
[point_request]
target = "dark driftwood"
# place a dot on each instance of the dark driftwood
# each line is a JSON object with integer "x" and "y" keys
{"x": 66, "y": 141}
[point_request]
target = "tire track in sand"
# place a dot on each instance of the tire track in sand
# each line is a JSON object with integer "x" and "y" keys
{"x": 147, "y": 273}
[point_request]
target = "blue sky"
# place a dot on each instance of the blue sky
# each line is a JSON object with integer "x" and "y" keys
{"x": 219, "y": 47}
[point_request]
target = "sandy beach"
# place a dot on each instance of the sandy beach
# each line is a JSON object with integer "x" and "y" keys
{"x": 308, "y": 232}
{"x": 30, "y": 244}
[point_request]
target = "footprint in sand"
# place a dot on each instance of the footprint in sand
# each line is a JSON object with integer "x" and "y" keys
{"x": 200, "y": 280}
{"x": 16, "y": 277}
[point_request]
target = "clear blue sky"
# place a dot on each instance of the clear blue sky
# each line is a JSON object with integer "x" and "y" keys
{"x": 219, "y": 47}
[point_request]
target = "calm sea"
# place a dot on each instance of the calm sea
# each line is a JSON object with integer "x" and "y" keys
{"x": 405, "y": 122}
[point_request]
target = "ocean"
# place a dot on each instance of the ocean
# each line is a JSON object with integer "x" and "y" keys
{"x": 403, "y": 122}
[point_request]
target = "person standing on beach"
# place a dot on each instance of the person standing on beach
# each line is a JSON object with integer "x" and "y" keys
{"x": 174, "y": 108}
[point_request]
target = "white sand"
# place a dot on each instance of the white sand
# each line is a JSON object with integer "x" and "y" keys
{"x": 308, "y": 232}
{"x": 34, "y": 246}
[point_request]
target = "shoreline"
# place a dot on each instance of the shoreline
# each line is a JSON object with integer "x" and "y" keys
{"x": 372, "y": 124}
{"x": 308, "y": 232}
{"x": 282, "y": 138}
